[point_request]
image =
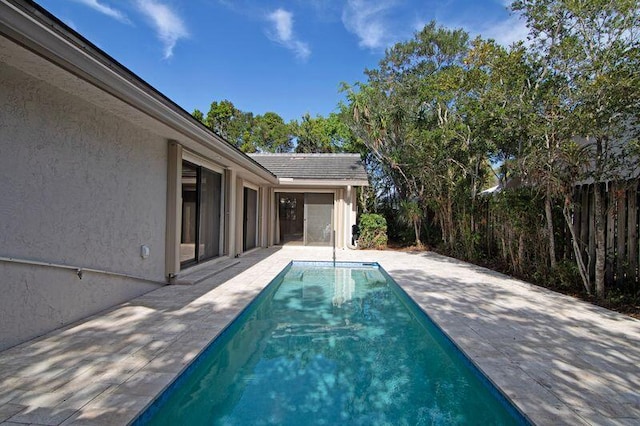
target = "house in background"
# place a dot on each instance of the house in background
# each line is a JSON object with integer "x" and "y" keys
{"x": 109, "y": 189}
{"x": 315, "y": 196}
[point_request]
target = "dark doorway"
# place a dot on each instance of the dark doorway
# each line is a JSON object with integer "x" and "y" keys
{"x": 291, "y": 216}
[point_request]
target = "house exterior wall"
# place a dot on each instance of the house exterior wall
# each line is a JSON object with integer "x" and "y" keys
{"x": 80, "y": 187}
{"x": 90, "y": 171}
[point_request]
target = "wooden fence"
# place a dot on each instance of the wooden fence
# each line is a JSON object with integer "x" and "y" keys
{"x": 621, "y": 234}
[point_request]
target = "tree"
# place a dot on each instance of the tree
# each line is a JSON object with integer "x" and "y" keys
{"x": 271, "y": 134}
{"x": 411, "y": 115}
{"x": 220, "y": 117}
{"x": 230, "y": 123}
{"x": 411, "y": 213}
{"x": 593, "y": 46}
{"x": 198, "y": 115}
{"x": 519, "y": 107}
{"x": 320, "y": 134}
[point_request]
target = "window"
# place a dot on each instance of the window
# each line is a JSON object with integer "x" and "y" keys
{"x": 201, "y": 203}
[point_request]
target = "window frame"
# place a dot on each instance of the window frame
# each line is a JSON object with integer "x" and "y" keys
{"x": 199, "y": 165}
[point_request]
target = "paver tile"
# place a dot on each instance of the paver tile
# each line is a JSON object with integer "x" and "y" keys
{"x": 42, "y": 415}
{"x": 9, "y": 410}
{"x": 101, "y": 417}
{"x": 146, "y": 383}
{"x": 560, "y": 360}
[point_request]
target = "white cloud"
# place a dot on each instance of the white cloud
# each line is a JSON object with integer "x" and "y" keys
{"x": 366, "y": 19}
{"x": 283, "y": 22}
{"x": 169, "y": 26}
{"x": 282, "y": 33}
{"x": 106, "y": 10}
{"x": 506, "y": 32}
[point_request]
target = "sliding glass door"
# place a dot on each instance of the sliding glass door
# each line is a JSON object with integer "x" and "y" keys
{"x": 318, "y": 219}
{"x": 201, "y": 203}
{"x": 306, "y": 218}
{"x": 291, "y": 217}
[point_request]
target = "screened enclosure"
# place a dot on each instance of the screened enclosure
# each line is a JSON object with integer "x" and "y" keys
{"x": 318, "y": 219}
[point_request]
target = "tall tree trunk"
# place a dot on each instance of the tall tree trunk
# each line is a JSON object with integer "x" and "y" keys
{"x": 514, "y": 260}
{"x": 416, "y": 229}
{"x": 550, "y": 234}
{"x": 504, "y": 252}
{"x": 582, "y": 269}
{"x": 442, "y": 223}
{"x": 450, "y": 220}
{"x": 521, "y": 251}
{"x": 599, "y": 213}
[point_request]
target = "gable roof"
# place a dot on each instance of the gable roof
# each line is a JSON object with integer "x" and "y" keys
{"x": 314, "y": 166}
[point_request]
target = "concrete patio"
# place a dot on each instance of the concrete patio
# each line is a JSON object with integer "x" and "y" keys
{"x": 561, "y": 361}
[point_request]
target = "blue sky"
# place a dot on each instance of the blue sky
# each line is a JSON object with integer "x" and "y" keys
{"x": 288, "y": 57}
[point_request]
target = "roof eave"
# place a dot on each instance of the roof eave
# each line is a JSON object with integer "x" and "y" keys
{"x": 27, "y": 27}
{"x": 283, "y": 181}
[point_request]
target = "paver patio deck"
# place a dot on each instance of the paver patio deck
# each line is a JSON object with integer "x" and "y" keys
{"x": 560, "y": 360}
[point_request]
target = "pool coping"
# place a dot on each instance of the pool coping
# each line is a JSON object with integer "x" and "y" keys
{"x": 403, "y": 297}
{"x": 560, "y": 360}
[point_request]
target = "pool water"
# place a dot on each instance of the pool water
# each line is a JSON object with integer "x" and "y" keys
{"x": 332, "y": 345}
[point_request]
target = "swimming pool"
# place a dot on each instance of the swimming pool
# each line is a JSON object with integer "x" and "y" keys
{"x": 325, "y": 344}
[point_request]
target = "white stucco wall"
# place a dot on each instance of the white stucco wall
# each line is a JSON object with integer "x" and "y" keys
{"x": 78, "y": 186}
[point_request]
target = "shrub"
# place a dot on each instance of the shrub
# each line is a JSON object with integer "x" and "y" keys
{"x": 566, "y": 275}
{"x": 373, "y": 232}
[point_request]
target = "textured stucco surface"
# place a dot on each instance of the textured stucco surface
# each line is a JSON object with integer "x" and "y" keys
{"x": 80, "y": 187}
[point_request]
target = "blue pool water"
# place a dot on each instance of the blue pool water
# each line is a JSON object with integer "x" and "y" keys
{"x": 332, "y": 345}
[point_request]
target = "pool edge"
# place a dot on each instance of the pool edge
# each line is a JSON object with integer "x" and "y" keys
{"x": 210, "y": 344}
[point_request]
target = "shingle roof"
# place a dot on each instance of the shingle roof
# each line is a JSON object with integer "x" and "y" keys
{"x": 313, "y": 166}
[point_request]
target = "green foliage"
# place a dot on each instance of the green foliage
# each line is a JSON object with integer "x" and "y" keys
{"x": 232, "y": 124}
{"x": 321, "y": 134}
{"x": 520, "y": 207}
{"x": 373, "y": 231}
{"x": 440, "y": 109}
{"x": 566, "y": 276}
{"x": 271, "y": 134}
{"x": 410, "y": 115}
{"x": 221, "y": 116}
{"x": 198, "y": 115}
{"x": 411, "y": 213}
{"x": 398, "y": 230}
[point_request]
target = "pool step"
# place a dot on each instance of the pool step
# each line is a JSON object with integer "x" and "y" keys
{"x": 201, "y": 273}
{"x": 295, "y": 276}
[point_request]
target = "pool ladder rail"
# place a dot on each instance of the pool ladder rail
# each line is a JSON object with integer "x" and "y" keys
{"x": 334, "y": 248}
